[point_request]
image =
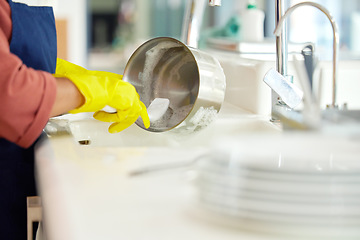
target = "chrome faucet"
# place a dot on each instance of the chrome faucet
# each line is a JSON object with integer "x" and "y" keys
{"x": 311, "y": 114}
{"x": 281, "y": 55}
{"x": 281, "y": 39}
{"x": 279, "y": 31}
{"x": 193, "y": 19}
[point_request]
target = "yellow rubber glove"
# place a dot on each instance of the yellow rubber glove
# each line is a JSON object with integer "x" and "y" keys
{"x": 105, "y": 88}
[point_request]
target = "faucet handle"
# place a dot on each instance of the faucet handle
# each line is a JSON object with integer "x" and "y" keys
{"x": 215, "y": 2}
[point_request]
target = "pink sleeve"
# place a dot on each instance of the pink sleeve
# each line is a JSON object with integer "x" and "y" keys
{"x": 26, "y": 97}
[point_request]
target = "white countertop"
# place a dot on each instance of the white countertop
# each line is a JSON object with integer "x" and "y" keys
{"x": 88, "y": 193}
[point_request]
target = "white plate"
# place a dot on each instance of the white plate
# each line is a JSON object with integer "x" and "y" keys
{"x": 282, "y": 187}
{"x": 294, "y": 198}
{"x": 291, "y": 226}
{"x": 313, "y": 153}
{"x": 228, "y": 169}
{"x": 282, "y": 210}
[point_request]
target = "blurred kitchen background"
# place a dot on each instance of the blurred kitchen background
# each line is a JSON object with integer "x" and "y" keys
{"x": 102, "y": 35}
{"x": 119, "y": 26}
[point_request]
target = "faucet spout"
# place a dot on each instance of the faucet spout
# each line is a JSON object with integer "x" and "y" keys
{"x": 193, "y": 19}
{"x": 279, "y": 28}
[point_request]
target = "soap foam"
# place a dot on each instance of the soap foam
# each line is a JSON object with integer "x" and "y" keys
{"x": 162, "y": 123}
{"x": 202, "y": 118}
{"x": 179, "y": 115}
{"x": 172, "y": 117}
{"x": 152, "y": 58}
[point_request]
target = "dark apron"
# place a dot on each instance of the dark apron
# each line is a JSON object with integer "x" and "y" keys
{"x": 33, "y": 41}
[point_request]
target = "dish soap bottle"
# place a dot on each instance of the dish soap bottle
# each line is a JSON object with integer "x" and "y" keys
{"x": 252, "y": 29}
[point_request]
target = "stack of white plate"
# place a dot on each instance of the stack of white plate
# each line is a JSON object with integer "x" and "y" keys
{"x": 305, "y": 184}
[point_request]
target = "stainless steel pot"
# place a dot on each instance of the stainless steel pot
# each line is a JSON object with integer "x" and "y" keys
{"x": 192, "y": 80}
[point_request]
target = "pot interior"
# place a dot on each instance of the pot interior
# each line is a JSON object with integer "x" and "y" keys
{"x": 164, "y": 68}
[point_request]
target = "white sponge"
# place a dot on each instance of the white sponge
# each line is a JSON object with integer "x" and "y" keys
{"x": 158, "y": 108}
